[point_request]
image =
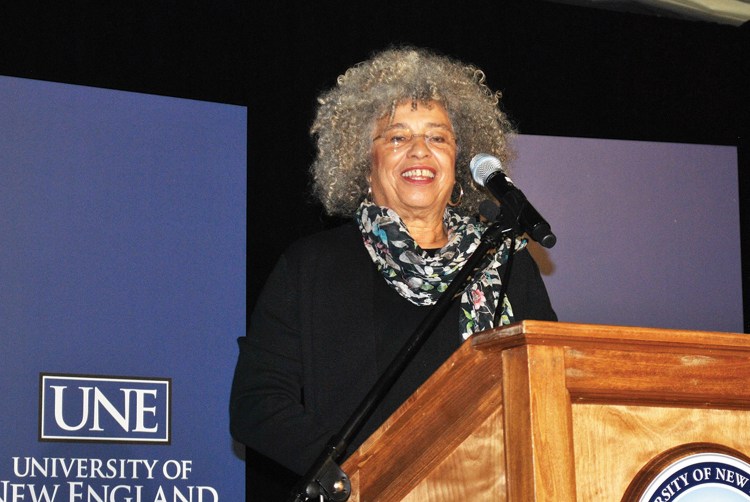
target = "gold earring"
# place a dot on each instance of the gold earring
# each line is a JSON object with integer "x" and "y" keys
{"x": 460, "y": 195}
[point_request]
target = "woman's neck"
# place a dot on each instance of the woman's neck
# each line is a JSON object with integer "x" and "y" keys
{"x": 428, "y": 234}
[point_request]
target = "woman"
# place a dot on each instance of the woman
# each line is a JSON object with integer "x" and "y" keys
{"x": 340, "y": 304}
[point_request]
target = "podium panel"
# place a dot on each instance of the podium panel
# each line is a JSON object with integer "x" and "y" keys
{"x": 541, "y": 411}
{"x": 606, "y": 462}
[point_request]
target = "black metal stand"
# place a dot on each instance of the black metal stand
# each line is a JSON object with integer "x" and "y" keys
{"x": 325, "y": 480}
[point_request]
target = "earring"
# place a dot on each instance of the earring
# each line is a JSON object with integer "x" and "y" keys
{"x": 460, "y": 195}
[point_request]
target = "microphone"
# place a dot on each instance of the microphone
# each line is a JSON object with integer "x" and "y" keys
{"x": 488, "y": 172}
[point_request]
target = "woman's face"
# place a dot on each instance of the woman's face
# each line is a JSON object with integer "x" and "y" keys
{"x": 413, "y": 161}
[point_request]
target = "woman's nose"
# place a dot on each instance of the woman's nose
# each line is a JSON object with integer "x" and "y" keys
{"x": 419, "y": 145}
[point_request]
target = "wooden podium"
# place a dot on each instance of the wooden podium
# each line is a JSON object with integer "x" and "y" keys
{"x": 556, "y": 412}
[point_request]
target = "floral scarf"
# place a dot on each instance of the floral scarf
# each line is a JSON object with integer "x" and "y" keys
{"x": 421, "y": 277}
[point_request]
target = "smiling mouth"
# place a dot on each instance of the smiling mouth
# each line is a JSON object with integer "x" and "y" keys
{"x": 420, "y": 174}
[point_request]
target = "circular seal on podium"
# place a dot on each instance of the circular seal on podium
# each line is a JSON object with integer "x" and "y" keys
{"x": 694, "y": 472}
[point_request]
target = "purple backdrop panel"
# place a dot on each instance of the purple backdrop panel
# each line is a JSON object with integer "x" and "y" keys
{"x": 648, "y": 233}
{"x": 122, "y": 289}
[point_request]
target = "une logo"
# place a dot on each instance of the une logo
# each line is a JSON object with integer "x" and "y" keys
{"x": 104, "y": 409}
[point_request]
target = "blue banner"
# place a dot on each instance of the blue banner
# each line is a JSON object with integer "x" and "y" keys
{"x": 122, "y": 290}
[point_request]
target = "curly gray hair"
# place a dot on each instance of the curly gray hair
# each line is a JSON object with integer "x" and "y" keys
{"x": 371, "y": 90}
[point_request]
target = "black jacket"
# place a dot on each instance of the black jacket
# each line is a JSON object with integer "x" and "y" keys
{"x": 322, "y": 332}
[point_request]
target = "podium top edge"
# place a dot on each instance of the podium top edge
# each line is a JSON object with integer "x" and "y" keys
{"x": 604, "y": 336}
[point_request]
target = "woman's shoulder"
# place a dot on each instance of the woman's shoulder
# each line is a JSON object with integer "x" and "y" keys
{"x": 333, "y": 257}
{"x": 337, "y": 243}
{"x": 343, "y": 234}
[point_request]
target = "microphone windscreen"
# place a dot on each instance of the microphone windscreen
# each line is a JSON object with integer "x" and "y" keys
{"x": 482, "y": 165}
